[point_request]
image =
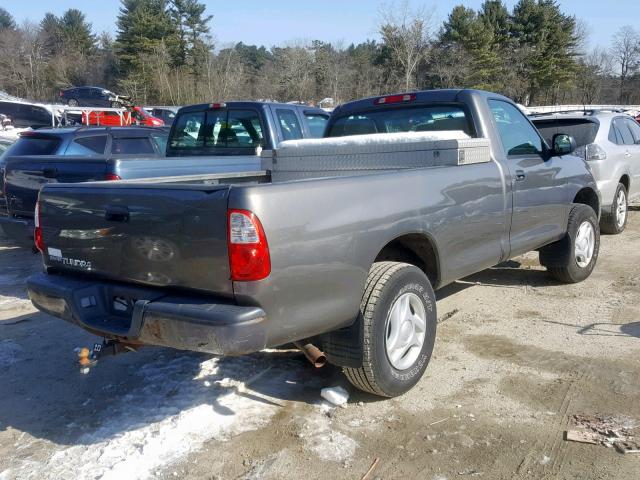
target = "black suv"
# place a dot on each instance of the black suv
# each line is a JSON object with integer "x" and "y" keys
{"x": 92, "y": 97}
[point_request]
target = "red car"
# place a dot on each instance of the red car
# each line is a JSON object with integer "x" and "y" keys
{"x": 135, "y": 116}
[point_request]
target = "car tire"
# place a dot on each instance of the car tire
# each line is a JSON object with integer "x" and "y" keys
{"x": 614, "y": 219}
{"x": 72, "y": 102}
{"x": 398, "y": 315}
{"x": 116, "y": 105}
{"x": 572, "y": 259}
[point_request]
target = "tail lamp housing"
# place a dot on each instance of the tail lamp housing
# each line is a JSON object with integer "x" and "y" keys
{"x": 37, "y": 231}
{"x": 249, "y": 258}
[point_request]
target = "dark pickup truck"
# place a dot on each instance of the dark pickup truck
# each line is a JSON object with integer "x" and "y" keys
{"x": 66, "y": 155}
{"x": 204, "y": 139}
{"x": 345, "y": 256}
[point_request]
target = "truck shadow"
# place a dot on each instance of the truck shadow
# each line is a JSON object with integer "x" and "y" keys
{"x": 510, "y": 274}
{"x": 46, "y": 396}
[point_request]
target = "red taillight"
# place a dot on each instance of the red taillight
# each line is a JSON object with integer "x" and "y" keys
{"x": 61, "y": 93}
{"x": 216, "y": 106}
{"x": 249, "y": 258}
{"x": 112, "y": 176}
{"x": 37, "y": 231}
{"x": 407, "y": 97}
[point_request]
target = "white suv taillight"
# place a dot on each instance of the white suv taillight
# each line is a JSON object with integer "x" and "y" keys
{"x": 249, "y": 258}
{"x": 591, "y": 151}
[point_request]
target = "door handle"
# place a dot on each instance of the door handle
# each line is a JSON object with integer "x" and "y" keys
{"x": 49, "y": 172}
{"x": 520, "y": 175}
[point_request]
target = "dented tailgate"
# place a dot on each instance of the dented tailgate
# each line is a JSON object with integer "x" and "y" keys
{"x": 162, "y": 236}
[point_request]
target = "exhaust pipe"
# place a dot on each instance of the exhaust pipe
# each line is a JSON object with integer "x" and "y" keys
{"x": 317, "y": 358}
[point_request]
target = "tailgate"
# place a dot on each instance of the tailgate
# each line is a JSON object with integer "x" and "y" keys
{"x": 25, "y": 176}
{"x": 155, "y": 235}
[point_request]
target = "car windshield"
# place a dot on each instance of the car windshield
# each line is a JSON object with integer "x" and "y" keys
{"x": 426, "y": 118}
{"x": 583, "y": 130}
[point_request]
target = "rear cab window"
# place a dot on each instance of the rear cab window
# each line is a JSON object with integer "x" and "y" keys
{"x": 425, "y": 118}
{"x": 217, "y": 131}
{"x": 35, "y": 145}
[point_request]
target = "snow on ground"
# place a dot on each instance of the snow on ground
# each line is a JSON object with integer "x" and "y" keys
{"x": 188, "y": 411}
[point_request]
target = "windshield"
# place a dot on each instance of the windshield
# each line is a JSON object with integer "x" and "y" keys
{"x": 426, "y": 118}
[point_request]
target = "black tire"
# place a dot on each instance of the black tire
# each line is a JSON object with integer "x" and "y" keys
{"x": 609, "y": 220}
{"x": 116, "y": 105}
{"x": 386, "y": 282}
{"x": 72, "y": 102}
{"x": 560, "y": 257}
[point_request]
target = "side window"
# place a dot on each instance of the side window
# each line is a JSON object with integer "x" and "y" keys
{"x": 87, "y": 146}
{"x": 614, "y": 136}
{"x": 131, "y": 146}
{"x": 289, "y": 124}
{"x": 160, "y": 141}
{"x": 623, "y": 130}
{"x": 187, "y": 132}
{"x": 518, "y": 136}
{"x": 316, "y": 123}
{"x": 635, "y": 129}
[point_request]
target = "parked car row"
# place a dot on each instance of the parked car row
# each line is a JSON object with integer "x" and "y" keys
{"x": 206, "y": 139}
{"x": 341, "y": 244}
{"x": 610, "y": 143}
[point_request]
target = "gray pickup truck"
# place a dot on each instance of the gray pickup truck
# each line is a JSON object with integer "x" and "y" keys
{"x": 348, "y": 262}
{"x": 204, "y": 139}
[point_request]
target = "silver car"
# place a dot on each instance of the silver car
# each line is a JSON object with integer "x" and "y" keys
{"x": 610, "y": 142}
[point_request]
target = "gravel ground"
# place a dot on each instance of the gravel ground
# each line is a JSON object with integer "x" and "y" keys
{"x": 517, "y": 356}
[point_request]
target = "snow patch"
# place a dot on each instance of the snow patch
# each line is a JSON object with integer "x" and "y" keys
{"x": 169, "y": 416}
{"x": 326, "y": 442}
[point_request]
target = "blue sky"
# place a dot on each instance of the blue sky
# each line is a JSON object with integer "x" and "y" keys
{"x": 283, "y": 21}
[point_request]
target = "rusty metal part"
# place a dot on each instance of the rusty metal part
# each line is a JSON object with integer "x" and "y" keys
{"x": 317, "y": 357}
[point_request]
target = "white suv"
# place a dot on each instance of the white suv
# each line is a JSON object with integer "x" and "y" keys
{"x": 610, "y": 142}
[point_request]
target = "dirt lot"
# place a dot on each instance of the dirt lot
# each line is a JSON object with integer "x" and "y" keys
{"x": 517, "y": 356}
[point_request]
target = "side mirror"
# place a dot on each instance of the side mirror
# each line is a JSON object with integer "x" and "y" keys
{"x": 563, "y": 144}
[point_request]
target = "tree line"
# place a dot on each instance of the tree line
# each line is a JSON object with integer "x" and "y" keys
{"x": 163, "y": 52}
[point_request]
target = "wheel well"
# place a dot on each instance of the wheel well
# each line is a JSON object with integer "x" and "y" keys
{"x": 587, "y": 196}
{"x": 416, "y": 249}
{"x": 625, "y": 181}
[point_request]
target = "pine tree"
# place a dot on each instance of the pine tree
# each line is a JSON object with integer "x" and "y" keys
{"x": 6, "y": 20}
{"x": 192, "y": 26}
{"x": 143, "y": 25}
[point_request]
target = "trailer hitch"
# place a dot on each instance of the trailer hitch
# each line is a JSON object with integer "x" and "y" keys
{"x": 88, "y": 357}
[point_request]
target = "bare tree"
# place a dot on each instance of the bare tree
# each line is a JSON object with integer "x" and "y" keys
{"x": 626, "y": 53}
{"x": 406, "y": 32}
{"x": 596, "y": 67}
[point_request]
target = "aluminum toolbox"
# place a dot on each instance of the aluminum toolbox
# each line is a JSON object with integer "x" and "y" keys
{"x": 355, "y": 155}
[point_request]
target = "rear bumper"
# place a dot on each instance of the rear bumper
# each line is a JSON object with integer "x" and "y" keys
{"x": 150, "y": 317}
{"x": 20, "y": 230}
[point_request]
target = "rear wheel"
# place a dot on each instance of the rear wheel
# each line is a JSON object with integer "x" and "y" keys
{"x": 572, "y": 259}
{"x": 614, "y": 220}
{"x": 398, "y": 312}
{"x": 116, "y": 105}
{"x": 72, "y": 102}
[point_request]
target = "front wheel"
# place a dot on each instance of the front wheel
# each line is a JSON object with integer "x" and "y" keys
{"x": 398, "y": 315}
{"x": 572, "y": 259}
{"x": 72, "y": 102}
